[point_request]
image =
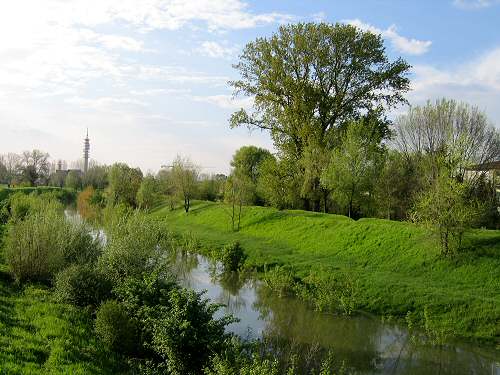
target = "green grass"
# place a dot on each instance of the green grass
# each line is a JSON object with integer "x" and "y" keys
{"x": 38, "y": 335}
{"x": 397, "y": 265}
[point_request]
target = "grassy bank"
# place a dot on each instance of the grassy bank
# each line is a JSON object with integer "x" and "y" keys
{"x": 396, "y": 266}
{"x": 38, "y": 335}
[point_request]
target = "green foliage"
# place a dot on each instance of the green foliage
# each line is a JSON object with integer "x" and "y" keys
{"x": 114, "y": 327}
{"x": 82, "y": 285}
{"x": 374, "y": 253}
{"x": 65, "y": 196}
{"x": 332, "y": 291}
{"x": 148, "y": 193}
{"x": 184, "y": 177}
{"x": 353, "y": 166}
{"x": 246, "y": 163}
{"x": 277, "y": 183}
{"x": 96, "y": 176}
{"x": 280, "y": 280}
{"x": 185, "y": 334}
{"x": 446, "y": 208}
{"x": 136, "y": 244}
{"x": 398, "y": 182}
{"x": 178, "y": 331}
{"x": 239, "y": 191}
{"x": 231, "y": 256}
{"x": 124, "y": 183}
{"x": 73, "y": 180}
{"x": 44, "y": 243}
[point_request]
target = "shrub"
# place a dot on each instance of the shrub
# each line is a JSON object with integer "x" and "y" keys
{"x": 82, "y": 285}
{"x": 21, "y": 205}
{"x": 184, "y": 332}
{"x": 280, "y": 280}
{"x": 136, "y": 245}
{"x": 84, "y": 204}
{"x": 44, "y": 243}
{"x": 231, "y": 256}
{"x": 115, "y": 329}
{"x": 179, "y": 333}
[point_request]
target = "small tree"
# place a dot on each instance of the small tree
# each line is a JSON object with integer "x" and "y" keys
{"x": 447, "y": 210}
{"x": 239, "y": 191}
{"x": 353, "y": 166}
{"x": 148, "y": 192}
{"x": 124, "y": 182}
{"x": 184, "y": 179}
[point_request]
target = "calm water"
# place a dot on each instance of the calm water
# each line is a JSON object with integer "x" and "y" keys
{"x": 366, "y": 344}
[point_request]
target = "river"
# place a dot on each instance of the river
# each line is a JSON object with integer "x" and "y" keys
{"x": 364, "y": 343}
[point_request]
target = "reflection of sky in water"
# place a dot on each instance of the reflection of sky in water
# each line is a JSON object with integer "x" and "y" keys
{"x": 365, "y": 343}
{"x": 368, "y": 345}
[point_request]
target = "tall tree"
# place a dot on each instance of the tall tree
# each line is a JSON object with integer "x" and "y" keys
{"x": 309, "y": 80}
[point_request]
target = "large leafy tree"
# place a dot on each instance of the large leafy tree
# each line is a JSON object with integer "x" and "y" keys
{"x": 309, "y": 80}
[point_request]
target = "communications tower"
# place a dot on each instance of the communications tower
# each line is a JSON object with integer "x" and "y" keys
{"x": 86, "y": 149}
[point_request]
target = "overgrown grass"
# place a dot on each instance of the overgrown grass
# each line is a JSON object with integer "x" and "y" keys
{"x": 38, "y": 335}
{"x": 395, "y": 266}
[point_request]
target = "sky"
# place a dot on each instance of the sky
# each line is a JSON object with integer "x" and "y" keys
{"x": 149, "y": 78}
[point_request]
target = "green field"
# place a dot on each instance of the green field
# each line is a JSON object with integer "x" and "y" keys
{"x": 38, "y": 335}
{"x": 396, "y": 265}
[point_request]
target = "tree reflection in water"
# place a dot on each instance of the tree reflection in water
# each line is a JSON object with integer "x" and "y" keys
{"x": 293, "y": 331}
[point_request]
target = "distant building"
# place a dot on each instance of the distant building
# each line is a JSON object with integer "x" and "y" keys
{"x": 491, "y": 171}
{"x": 86, "y": 149}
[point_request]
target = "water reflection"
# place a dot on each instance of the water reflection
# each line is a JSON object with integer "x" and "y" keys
{"x": 365, "y": 343}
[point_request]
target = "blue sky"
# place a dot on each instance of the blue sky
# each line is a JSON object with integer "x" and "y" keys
{"x": 149, "y": 78}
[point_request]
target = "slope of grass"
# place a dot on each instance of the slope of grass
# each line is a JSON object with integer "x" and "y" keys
{"x": 38, "y": 335}
{"x": 396, "y": 265}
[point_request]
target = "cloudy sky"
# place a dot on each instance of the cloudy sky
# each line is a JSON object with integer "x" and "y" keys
{"x": 149, "y": 77}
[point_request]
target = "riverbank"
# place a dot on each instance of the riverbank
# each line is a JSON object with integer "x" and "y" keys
{"x": 40, "y": 335}
{"x": 395, "y": 266}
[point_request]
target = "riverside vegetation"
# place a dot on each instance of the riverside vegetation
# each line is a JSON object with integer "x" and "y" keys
{"x": 73, "y": 303}
{"x": 419, "y": 239}
{"x": 381, "y": 266}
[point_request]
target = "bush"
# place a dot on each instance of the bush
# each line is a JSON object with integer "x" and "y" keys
{"x": 231, "y": 256}
{"x": 185, "y": 333}
{"x": 136, "y": 245}
{"x": 82, "y": 285}
{"x": 115, "y": 329}
{"x": 43, "y": 244}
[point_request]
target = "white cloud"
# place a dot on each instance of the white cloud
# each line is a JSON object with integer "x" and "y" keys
{"x": 318, "y": 17}
{"x": 403, "y": 44}
{"x": 217, "y": 50}
{"x": 104, "y": 102}
{"x": 226, "y": 101}
{"x": 477, "y": 82}
{"x": 475, "y": 4}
